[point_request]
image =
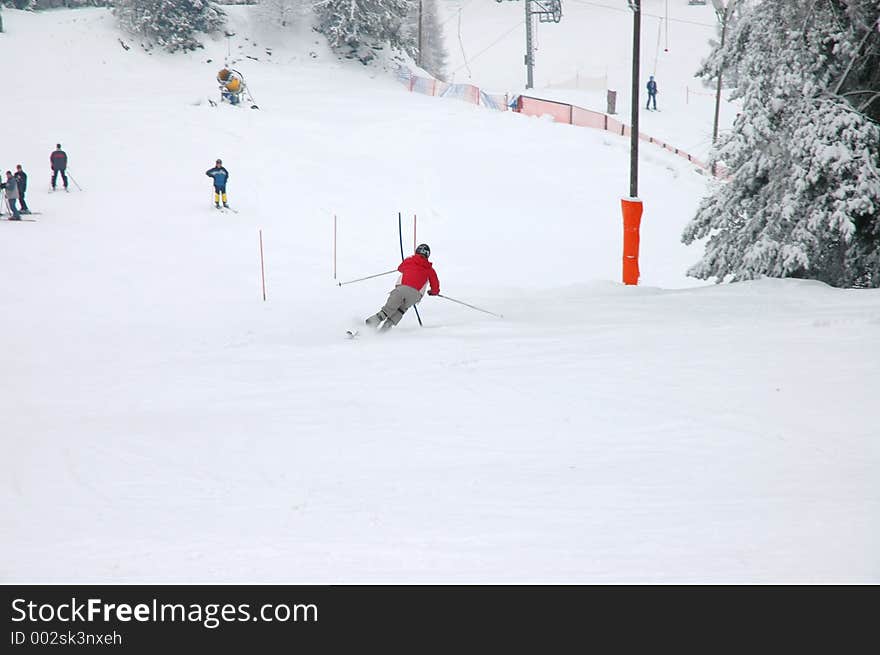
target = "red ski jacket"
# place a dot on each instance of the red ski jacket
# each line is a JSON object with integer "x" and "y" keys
{"x": 417, "y": 272}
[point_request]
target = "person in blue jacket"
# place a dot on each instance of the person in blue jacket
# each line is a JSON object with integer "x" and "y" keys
{"x": 652, "y": 93}
{"x": 220, "y": 176}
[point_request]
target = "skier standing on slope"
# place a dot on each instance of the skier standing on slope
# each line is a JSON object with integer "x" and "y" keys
{"x": 220, "y": 175}
{"x": 11, "y": 188}
{"x": 652, "y": 93}
{"x": 58, "y": 160}
{"x": 416, "y": 272}
{"x": 21, "y": 178}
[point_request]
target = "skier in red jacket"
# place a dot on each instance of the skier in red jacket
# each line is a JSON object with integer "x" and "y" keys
{"x": 416, "y": 272}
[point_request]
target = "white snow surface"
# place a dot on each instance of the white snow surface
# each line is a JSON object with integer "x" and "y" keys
{"x": 162, "y": 423}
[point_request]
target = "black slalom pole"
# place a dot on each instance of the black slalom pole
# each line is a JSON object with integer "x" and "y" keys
{"x": 400, "y": 232}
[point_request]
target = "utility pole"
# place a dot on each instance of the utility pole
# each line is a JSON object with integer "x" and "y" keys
{"x": 635, "y": 103}
{"x": 723, "y": 13}
{"x": 419, "y": 62}
{"x": 632, "y": 206}
{"x": 547, "y": 11}
{"x": 530, "y": 54}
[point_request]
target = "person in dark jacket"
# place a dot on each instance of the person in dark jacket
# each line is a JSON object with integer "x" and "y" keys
{"x": 58, "y": 160}
{"x": 652, "y": 92}
{"x": 220, "y": 176}
{"x": 21, "y": 180}
{"x": 416, "y": 273}
{"x": 10, "y": 186}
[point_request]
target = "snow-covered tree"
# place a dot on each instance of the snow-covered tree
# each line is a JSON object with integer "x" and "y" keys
{"x": 55, "y": 4}
{"x": 803, "y": 197}
{"x": 170, "y": 24}
{"x": 424, "y": 26}
{"x": 284, "y": 13}
{"x": 359, "y": 27}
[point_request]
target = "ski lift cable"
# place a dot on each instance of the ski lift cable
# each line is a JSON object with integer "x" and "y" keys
{"x": 666, "y": 16}
{"x": 493, "y": 44}
{"x": 456, "y": 13}
{"x": 657, "y": 49}
{"x": 671, "y": 20}
{"x": 461, "y": 45}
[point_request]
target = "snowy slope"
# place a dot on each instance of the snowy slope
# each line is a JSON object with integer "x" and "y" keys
{"x": 162, "y": 423}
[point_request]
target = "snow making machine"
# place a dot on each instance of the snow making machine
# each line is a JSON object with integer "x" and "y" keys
{"x": 233, "y": 88}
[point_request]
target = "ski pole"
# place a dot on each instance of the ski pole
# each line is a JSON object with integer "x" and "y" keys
{"x": 369, "y": 277}
{"x": 72, "y": 180}
{"x": 262, "y": 266}
{"x": 440, "y": 295}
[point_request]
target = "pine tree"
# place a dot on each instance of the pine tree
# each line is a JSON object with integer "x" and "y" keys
{"x": 359, "y": 27}
{"x": 170, "y": 24}
{"x": 430, "y": 50}
{"x": 803, "y": 199}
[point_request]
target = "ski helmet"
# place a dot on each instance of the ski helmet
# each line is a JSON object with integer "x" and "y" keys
{"x": 424, "y": 250}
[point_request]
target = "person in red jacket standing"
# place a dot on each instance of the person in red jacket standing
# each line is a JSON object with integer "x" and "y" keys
{"x": 416, "y": 272}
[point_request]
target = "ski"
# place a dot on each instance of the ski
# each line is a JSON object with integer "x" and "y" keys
{"x": 21, "y": 220}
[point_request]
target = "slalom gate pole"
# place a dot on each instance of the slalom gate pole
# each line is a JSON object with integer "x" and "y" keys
{"x": 479, "y": 309}
{"x": 415, "y": 240}
{"x": 400, "y": 232}
{"x": 369, "y": 277}
{"x": 334, "y": 246}
{"x": 262, "y": 266}
{"x": 73, "y": 180}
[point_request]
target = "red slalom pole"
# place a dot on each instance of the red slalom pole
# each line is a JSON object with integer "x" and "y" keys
{"x": 262, "y": 266}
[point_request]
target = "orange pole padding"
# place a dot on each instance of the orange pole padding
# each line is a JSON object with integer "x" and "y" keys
{"x": 632, "y": 218}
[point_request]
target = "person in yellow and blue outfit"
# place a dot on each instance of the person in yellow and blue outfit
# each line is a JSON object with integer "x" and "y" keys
{"x": 220, "y": 176}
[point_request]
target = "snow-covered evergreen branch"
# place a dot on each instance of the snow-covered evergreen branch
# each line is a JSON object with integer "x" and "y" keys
{"x": 804, "y": 197}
